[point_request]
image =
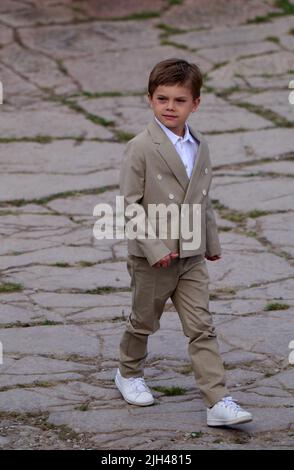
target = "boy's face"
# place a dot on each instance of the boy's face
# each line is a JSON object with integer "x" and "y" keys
{"x": 172, "y": 106}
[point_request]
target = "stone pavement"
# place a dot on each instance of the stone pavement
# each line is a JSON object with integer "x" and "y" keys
{"x": 74, "y": 76}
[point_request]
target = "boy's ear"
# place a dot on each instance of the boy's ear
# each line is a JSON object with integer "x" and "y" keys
{"x": 196, "y": 104}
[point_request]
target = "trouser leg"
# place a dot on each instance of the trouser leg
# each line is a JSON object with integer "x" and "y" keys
{"x": 151, "y": 287}
{"x": 191, "y": 299}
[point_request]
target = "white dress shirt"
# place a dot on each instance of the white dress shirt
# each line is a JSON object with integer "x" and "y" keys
{"x": 186, "y": 146}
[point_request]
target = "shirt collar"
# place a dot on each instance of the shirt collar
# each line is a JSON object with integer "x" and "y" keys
{"x": 174, "y": 137}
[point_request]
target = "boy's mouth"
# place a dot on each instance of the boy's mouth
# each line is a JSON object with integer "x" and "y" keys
{"x": 168, "y": 116}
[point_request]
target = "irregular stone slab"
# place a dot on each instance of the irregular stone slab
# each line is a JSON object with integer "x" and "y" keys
{"x": 278, "y": 229}
{"x": 257, "y": 193}
{"x": 81, "y": 301}
{"x": 276, "y": 101}
{"x": 30, "y": 226}
{"x": 270, "y": 333}
{"x": 276, "y": 63}
{"x": 48, "y": 119}
{"x": 37, "y": 68}
{"x": 113, "y": 77}
{"x": 242, "y": 358}
{"x": 281, "y": 381}
{"x": 65, "y": 254}
{"x": 279, "y": 81}
{"x": 122, "y": 9}
{"x": 14, "y": 298}
{"x": 17, "y": 91}
{"x": 283, "y": 167}
{"x": 216, "y": 115}
{"x": 12, "y": 314}
{"x": 9, "y": 381}
{"x": 270, "y": 419}
{"x": 39, "y": 365}
{"x": 39, "y": 399}
{"x": 132, "y": 114}
{"x": 101, "y": 314}
{"x": 6, "y": 35}
{"x": 246, "y": 146}
{"x": 13, "y": 8}
{"x": 61, "y": 157}
{"x": 236, "y": 307}
{"x": 236, "y": 243}
{"x": 211, "y": 14}
{"x": 20, "y": 222}
{"x": 174, "y": 379}
{"x": 287, "y": 41}
{"x": 236, "y": 34}
{"x": 28, "y": 15}
{"x": 90, "y": 38}
{"x": 234, "y": 51}
{"x": 283, "y": 290}
{"x": 4, "y": 441}
{"x": 42, "y": 185}
{"x": 83, "y": 205}
{"x": 250, "y": 398}
{"x": 113, "y": 420}
{"x": 270, "y": 268}
{"x": 58, "y": 340}
{"x": 52, "y": 278}
{"x": 25, "y": 209}
{"x": 268, "y": 391}
{"x": 241, "y": 377}
{"x": 39, "y": 239}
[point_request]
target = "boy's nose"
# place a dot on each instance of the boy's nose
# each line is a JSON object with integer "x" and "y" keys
{"x": 170, "y": 106}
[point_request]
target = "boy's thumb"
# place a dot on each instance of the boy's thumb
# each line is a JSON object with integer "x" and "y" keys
{"x": 174, "y": 255}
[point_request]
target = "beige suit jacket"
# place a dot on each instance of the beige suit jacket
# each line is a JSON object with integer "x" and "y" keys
{"x": 152, "y": 173}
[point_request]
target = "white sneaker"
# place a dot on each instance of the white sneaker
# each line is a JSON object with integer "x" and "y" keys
{"x": 226, "y": 412}
{"x": 134, "y": 390}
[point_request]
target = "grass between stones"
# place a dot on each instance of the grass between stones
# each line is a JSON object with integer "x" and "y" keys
{"x": 276, "y": 306}
{"x": 63, "y": 195}
{"x": 170, "y": 391}
{"x": 286, "y": 8}
{"x": 6, "y": 287}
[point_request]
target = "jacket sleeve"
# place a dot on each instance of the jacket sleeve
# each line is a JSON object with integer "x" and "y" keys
{"x": 132, "y": 183}
{"x": 212, "y": 239}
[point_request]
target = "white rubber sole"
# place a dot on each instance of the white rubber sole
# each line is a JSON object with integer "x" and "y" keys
{"x": 148, "y": 403}
{"x": 219, "y": 422}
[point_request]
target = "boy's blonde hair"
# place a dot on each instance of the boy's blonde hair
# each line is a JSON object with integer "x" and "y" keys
{"x": 176, "y": 72}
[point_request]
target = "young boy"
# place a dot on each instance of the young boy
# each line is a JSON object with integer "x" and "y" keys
{"x": 169, "y": 163}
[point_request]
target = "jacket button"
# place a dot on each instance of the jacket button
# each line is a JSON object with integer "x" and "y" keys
{"x": 206, "y": 171}
{"x": 204, "y": 192}
{"x": 171, "y": 196}
{"x": 159, "y": 176}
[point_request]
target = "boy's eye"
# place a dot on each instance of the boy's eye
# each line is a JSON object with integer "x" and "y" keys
{"x": 160, "y": 98}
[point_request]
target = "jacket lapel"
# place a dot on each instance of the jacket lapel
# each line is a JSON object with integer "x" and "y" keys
{"x": 168, "y": 153}
{"x": 171, "y": 157}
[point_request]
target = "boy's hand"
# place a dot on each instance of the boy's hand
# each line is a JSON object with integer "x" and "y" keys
{"x": 165, "y": 262}
{"x": 213, "y": 258}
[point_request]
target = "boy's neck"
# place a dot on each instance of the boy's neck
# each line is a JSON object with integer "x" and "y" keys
{"x": 178, "y": 131}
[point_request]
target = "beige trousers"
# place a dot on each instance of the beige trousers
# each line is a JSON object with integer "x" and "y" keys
{"x": 186, "y": 282}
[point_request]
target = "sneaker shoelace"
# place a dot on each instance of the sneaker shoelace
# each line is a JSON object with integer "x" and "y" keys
{"x": 230, "y": 403}
{"x": 139, "y": 384}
